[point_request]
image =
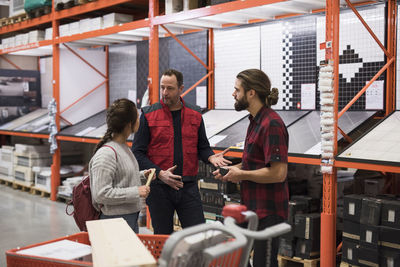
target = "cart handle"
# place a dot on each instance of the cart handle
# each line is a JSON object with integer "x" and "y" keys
{"x": 209, "y": 253}
{"x": 269, "y": 232}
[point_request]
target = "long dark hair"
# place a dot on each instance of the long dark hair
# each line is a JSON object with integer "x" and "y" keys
{"x": 258, "y": 81}
{"x": 119, "y": 114}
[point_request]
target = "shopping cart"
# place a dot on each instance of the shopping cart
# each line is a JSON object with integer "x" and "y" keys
{"x": 212, "y": 245}
{"x": 154, "y": 244}
{"x": 205, "y": 245}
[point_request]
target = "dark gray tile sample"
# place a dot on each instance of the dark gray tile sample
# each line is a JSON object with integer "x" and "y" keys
{"x": 237, "y": 132}
{"x": 122, "y": 70}
{"x": 181, "y": 60}
{"x": 94, "y": 121}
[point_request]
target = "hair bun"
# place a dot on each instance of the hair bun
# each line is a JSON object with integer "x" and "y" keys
{"x": 273, "y": 96}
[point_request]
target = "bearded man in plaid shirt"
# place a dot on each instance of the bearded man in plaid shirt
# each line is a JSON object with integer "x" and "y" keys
{"x": 262, "y": 173}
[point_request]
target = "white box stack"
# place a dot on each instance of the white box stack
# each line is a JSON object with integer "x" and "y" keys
{"x": 18, "y": 39}
{"x": 28, "y": 156}
{"x": 36, "y": 36}
{"x": 7, "y": 163}
{"x": 96, "y": 23}
{"x": 42, "y": 178}
{"x": 113, "y": 19}
{"x": 74, "y": 28}
{"x": 65, "y": 190}
{"x": 25, "y": 38}
{"x": 84, "y": 25}
{"x": 48, "y": 34}
{"x": 64, "y": 30}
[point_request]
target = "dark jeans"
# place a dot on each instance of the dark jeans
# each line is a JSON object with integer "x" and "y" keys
{"x": 131, "y": 219}
{"x": 266, "y": 251}
{"x": 163, "y": 201}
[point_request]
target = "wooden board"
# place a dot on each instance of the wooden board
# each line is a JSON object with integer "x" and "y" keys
{"x": 115, "y": 244}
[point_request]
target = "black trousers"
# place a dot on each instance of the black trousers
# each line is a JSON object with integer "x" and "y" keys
{"x": 266, "y": 251}
{"x": 163, "y": 201}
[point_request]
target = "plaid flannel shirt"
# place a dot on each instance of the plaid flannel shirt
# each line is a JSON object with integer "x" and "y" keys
{"x": 266, "y": 141}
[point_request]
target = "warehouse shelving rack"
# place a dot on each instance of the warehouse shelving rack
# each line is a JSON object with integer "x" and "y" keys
{"x": 220, "y": 16}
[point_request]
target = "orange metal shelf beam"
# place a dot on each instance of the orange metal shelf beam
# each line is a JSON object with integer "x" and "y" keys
{"x": 83, "y": 139}
{"x": 33, "y": 135}
{"x": 211, "y": 10}
{"x": 26, "y": 47}
{"x": 115, "y": 29}
{"x": 227, "y": 7}
{"x": 26, "y": 24}
{"x": 88, "y": 7}
{"x": 78, "y": 139}
{"x": 367, "y": 166}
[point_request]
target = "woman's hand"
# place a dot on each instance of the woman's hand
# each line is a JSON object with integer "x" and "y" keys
{"x": 144, "y": 191}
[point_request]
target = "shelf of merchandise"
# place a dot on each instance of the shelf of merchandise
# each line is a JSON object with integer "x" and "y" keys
{"x": 208, "y": 18}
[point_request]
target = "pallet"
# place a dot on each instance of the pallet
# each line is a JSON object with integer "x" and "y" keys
{"x": 64, "y": 199}
{"x": 38, "y": 191}
{"x": 284, "y": 261}
{"x": 5, "y": 182}
{"x": 345, "y": 264}
{"x": 14, "y": 19}
{"x": 23, "y": 186}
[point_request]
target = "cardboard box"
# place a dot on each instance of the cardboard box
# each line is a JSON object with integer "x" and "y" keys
{"x": 369, "y": 236}
{"x": 36, "y": 36}
{"x": 350, "y": 252}
{"x": 307, "y": 248}
{"x": 96, "y": 23}
{"x": 351, "y": 231}
{"x": 64, "y": 30}
{"x": 85, "y": 25}
{"x": 307, "y": 226}
{"x": 352, "y": 207}
{"x": 371, "y": 211}
{"x": 48, "y": 34}
{"x": 389, "y": 257}
{"x": 113, "y": 19}
{"x": 390, "y": 213}
{"x": 368, "y": 256}
{"x": 389, "y": 237}
{"x": 74, "y": 28}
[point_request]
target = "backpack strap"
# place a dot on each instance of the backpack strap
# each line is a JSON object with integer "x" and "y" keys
{"x": 115, "y": 152}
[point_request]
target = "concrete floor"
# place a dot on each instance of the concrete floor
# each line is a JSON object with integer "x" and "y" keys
{"x": 27, "y": 219}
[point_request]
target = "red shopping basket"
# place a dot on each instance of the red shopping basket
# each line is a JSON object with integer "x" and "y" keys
{"x": 154, "y": 244}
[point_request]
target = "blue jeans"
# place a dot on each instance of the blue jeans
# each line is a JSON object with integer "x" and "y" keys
{"x": 163, "y": 201}
{"x": 131, "y": 219}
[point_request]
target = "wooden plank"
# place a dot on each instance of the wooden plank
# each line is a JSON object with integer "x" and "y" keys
{"x": 115, "y": 244}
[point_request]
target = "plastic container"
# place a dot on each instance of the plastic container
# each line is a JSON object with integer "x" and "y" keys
{"x": 154, "y": 244}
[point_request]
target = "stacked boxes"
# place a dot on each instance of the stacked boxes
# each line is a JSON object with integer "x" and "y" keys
{"x": 304, "y": 239}
{"x": 371, "y": 231}
{"x": 113, "y": 19}
{"x": 27, "y": 156}
{"x": 214, "y": 193}
{"x": 7, "y": 163}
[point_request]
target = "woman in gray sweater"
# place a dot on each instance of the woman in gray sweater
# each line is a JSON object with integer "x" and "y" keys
{"x": 115, "y": 179}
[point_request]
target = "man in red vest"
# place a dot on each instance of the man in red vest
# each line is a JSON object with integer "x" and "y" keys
{"x": 172, "y": 138}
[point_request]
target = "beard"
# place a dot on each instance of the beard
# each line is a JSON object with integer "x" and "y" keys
{"x": 241, "y": 104}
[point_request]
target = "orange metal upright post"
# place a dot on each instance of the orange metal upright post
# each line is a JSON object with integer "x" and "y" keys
{"x": 210, "y": 92}
{"x": 55, "y": 167}
{"x": 391, "y": 48}
{"x": 153, "y": 53}
{"x": 328, "y": 215}
{"x": 107, "y": 76}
